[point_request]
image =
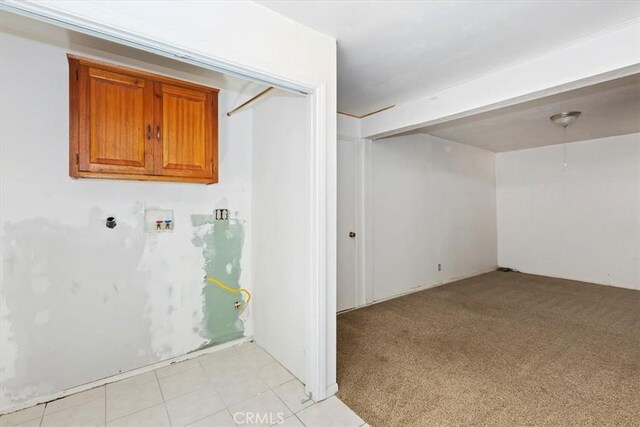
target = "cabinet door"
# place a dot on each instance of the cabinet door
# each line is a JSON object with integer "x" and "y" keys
{"x": 115, "y": 122}
{"x": 187, "y": 129}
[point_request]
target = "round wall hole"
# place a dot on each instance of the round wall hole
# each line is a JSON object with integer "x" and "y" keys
{"x": 111, "y": 222}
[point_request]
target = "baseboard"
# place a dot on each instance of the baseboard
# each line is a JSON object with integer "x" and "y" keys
{"x": 420, "y": 288}
{"x": 122, "y": 376}
{"x": 574, "y": 279}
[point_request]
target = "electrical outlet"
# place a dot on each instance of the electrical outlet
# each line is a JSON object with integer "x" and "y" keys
{"x": 439, "y": 267}
{"x": 222, "y": 214}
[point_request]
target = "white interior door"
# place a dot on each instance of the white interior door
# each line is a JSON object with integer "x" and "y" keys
{"x": 347, "y": 292}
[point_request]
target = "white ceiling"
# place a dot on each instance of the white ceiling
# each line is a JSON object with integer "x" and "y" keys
{"x": 608, "y": 109}
{"x": 390, "y": 52}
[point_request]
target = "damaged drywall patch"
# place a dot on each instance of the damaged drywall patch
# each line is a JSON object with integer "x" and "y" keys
{"x": 58, "y": 290}
{"x": 117, "y": 299}
{"x": 174, "y": 308}
{"x": 221, "y": 243}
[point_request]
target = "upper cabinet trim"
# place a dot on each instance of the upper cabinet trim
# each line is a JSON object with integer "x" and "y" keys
{"x": 96, "y": 63}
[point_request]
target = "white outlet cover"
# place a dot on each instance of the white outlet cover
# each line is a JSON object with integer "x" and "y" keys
{"x": 158, "y": 221}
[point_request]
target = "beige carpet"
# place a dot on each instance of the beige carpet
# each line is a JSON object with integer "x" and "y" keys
{"x": 500, "y": 349}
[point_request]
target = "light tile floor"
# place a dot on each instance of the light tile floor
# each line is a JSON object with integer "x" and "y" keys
{"x": 237, "y": 386}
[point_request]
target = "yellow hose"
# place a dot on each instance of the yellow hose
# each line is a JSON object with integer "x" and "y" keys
{"x": 229, "y": 288}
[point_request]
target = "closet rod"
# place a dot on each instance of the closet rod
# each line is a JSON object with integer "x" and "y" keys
{"x": 251, "y": 101}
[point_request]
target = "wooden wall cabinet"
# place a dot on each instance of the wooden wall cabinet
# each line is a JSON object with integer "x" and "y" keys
{"x": 128, "y": 124}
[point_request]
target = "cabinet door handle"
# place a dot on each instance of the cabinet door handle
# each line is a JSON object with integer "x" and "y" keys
{"x": 158, "y": 133}
{"x": 149, "y": 132}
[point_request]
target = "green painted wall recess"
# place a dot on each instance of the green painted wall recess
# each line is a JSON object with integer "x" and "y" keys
{"x": 222, "y": 249}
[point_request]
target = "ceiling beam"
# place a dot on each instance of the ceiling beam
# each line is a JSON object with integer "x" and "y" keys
{"x": 605, "y": 56}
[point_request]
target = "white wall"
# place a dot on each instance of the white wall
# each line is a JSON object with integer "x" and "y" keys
{"x": 280, "y": 239}
{"x": 580, "y": 223}
{"x": 432, "y": 202}
{"x": 348, "y": 128}
{"x": 79, "y": 301}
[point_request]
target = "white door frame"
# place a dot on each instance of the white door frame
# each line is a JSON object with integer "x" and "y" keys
{"x": 321, "y": 269}
{"x": 366, "y": 278}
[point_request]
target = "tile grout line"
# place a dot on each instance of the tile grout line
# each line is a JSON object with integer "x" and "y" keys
{"x": 248, "y": 367}
{"x": 230, "y": 414}
{"x": 138, "y": 411}
{"x": 135, "y": 412}
{"x": 210, "y": 383}
{"x": 72, "y": 406}
{"x": 283, "y": 402}
{"x": 206, "y": 416}
{"x": 295, "y": 415}
{"x": 122, "y": 376}
{"x": 226, "y": 408}
{"x": 272, "y": 389}
{"x": 164, "y": 405}
{"x": 255, "y": 371}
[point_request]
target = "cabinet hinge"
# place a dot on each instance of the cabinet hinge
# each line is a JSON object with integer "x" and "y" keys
{"x": 77, "y": 159}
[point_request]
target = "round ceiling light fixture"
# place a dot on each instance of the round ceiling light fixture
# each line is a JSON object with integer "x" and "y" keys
{"x": 565, "y": 119}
